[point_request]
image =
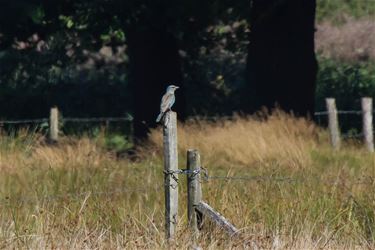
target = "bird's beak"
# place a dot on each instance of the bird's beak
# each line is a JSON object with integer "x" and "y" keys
{"x": 177, "y": 87}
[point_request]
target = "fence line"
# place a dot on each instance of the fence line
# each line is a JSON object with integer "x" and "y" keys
{"x": 69, "y": 119}
{"x": 54, "y": 121}
{"x": 332, "y": 113}
{"x": 193, "y": 174}
{"x": 340, "y": 112}
{"x": 247, "y": 178}
{"x": 97, "y": 119}
{"x": 73, "y": 196}
{"x": 334, "y": 128}
{"x": 41, "y": 120}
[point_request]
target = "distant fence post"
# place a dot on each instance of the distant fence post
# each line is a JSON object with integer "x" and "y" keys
{"x": 170, "y": 173}
{"x": 54, "y": 124}
{"x": 194, "y": 190}
{"x": 367, "y": 123}
{"x": 333, "y": 123}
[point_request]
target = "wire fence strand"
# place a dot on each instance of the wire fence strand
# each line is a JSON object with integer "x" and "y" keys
{"x": 41, "y": 120}
{"x": 340, "y": 112}
{"x": 74, "y": 196}
{"x": 130, "y": 118}
{"x": 368, "y": 180}
{"x": 97, "y": 119}
{"x": 70, "y": 119}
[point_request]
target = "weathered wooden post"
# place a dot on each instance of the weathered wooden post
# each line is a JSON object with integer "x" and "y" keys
{"x": 54, "y": 124}
{"x": 367, "y": 123}
{"x": 194, "y": 190}
{"x": 170, "y": 172}
{"x": 333, "y": 123}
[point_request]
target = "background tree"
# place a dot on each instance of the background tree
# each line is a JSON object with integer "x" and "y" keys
{"x": 281, "y": 64}
{"x": 154, "y": 60}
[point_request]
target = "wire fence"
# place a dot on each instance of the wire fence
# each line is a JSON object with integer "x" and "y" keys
{"x": 70, "y": 119}
{"x": 42, "y": 120}
{"x": 340, "y": 112}
{"x": 205, "y": 176}
{"x": 350, "y": 127}
{"x": 129, "y": 118}
{"x": 76, "y": 196}
{"x": 368, "y": 180}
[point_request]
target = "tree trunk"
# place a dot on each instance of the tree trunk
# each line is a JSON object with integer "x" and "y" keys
{"x": 155, "y": 64}
{"x": 281, "y": 63}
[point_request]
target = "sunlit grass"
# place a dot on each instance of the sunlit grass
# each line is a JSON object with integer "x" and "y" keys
{"x": 77, "y": 194}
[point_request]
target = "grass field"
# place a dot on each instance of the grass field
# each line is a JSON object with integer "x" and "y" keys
{"x": 77, "y": 194}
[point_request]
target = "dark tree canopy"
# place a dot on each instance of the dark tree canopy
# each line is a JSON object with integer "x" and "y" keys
{"x": 154, "y": 65}
{"x": 111, "y": 57}
{"x": 281, "y": 66}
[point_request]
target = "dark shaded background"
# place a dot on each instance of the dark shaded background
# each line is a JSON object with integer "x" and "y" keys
{"x": 111, "y": 58}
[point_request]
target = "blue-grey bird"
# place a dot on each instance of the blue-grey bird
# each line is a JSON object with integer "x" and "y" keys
{"x": 167, "y": 101}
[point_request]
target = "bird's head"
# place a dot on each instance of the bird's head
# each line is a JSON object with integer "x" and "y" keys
{"x": 172, "y": 88}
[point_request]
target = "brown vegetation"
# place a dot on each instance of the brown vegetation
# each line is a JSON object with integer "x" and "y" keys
{"x": 76, "y": 195}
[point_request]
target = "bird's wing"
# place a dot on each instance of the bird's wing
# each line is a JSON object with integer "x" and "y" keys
{"x": 165, "y": 102}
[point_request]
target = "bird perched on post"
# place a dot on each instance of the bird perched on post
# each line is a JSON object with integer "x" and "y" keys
{"x": 167, "y": 101}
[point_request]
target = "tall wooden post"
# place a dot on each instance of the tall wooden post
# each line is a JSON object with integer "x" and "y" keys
{"x": 333, "y": 123}
{"x": 367, "y": 123}
{"x": 170, "y": 177}
{"x": 194, "y": 190}
{"x": 54, "y": 124}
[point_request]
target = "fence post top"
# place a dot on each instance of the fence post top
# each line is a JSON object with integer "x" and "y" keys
{"x": 366, "y": 98}
{"x": 330, "y": 99}
{"x": 192, "y": 150}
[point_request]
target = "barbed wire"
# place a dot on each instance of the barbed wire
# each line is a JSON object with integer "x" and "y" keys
{"x": 41, "y": 120}
{"x": 249, "y": 178}
{"x": 368, "y": 180}
{"x": 69, "y": 119}
{"x": 97, "y": 119}
{"x": 130, "y": 118}
{"x": 206, "y": 176}
{"x": 74, "y": 196}
{"x": 340, "y": 112}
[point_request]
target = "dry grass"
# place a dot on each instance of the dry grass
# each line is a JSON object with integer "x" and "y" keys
{"x": 352, "y": 41}
{"x": 77, "y": 195}
{"x": 245, "y": 142}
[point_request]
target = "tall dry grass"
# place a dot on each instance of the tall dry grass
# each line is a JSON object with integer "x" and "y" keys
{"x": 78, "y": 195}
{"x": 249, "y": 141}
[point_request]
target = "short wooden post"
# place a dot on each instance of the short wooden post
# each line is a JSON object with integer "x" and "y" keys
{"x": 333, "y": 123}
{"x": 170, "y": 175}
{"x": 367, "y": 123}
{"x": 54, "y": 124}
{"x": 194, "y": 190}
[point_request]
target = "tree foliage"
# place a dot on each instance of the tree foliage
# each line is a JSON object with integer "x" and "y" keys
{"x": 68, "y": 53}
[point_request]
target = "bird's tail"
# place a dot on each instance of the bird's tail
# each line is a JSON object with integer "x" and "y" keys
{"x": 159, "y": 117}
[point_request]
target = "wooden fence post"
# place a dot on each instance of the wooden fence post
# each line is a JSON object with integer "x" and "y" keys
{"x": 367, "y": 123}
{"x": 54, "y": 124}
{"x": 333, "y": 123}
{"x": 194, "y": 190}
{"x": 170, "y": 174}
